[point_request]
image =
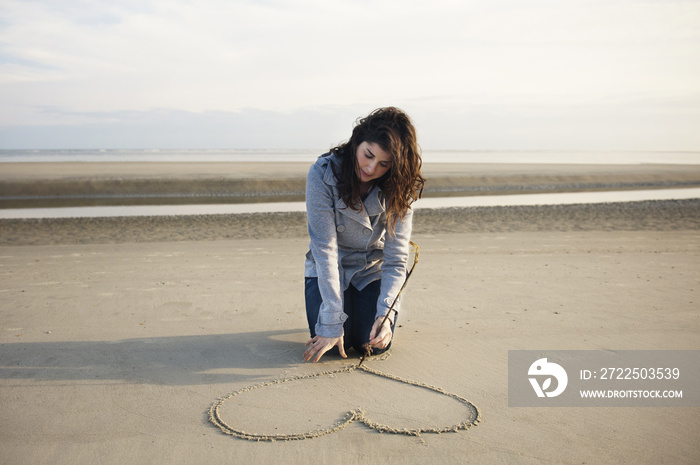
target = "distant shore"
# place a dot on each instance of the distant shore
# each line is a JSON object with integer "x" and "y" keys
{"x": 29, "y": 185}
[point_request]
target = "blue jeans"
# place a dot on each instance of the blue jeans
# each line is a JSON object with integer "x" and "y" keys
{"x": 359, "y": 306}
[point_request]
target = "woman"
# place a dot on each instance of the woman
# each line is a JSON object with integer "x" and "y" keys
{"x": 358, "y": 203}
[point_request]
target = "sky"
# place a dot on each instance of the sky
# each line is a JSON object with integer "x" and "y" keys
{"x": 473, "y": 75}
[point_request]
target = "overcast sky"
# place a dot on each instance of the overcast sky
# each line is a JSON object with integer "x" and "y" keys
{"x": 486, "y": 74}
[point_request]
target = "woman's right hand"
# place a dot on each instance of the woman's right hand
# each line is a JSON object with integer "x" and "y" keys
{"x": 320, "y": 345}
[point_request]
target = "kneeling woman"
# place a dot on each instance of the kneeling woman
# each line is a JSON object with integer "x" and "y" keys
{"x": 358, "y": 203}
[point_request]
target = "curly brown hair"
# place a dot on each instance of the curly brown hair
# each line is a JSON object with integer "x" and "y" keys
{"x": 403, "y": 184}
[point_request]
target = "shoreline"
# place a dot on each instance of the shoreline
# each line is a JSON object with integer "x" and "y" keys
{"x": 210, "y": 208}
{"x": 659, "y": 215}
{"x": 45, "y": 185}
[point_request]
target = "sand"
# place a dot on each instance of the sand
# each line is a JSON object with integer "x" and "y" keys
{"x": 119, "y": 334}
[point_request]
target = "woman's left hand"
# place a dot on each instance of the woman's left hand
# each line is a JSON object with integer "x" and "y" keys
{"x": 380, "y": 335}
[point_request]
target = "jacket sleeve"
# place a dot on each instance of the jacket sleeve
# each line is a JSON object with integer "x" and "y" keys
{"x": 396, "y": 251}
{"x": 320, "y": 213}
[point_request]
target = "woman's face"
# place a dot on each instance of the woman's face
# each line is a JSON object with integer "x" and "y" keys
{"x": 372, "y": 162}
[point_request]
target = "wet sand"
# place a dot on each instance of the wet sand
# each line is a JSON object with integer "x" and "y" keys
{"x": 27, "y": 185}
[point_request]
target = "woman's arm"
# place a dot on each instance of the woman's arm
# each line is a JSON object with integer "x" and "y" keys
{"x": 320, "y": 211}
{"x": 396, "y": 251}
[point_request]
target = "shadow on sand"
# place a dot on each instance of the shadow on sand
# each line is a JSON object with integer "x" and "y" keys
{"x": 179, "y": 360}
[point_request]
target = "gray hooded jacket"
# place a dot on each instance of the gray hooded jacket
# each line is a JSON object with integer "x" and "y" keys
{"x": 351, "y": 247}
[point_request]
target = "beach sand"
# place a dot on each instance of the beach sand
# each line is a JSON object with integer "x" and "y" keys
{"x": 118, "y": 334}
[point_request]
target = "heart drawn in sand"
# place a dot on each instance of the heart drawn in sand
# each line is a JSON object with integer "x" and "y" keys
{"x": 224, "y": 413}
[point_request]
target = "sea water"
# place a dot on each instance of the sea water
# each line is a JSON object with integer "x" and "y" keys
{"x": 309, "y": 155}
{"x": 562, "y": 198}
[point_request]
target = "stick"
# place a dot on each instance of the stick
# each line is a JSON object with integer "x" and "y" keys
{"x": 366, "y": 346}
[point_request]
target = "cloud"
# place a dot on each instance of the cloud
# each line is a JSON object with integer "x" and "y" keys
{"x": 249, "y": 128}
{"x": 78, "y": 62}
{"x": 442, "y": 124}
